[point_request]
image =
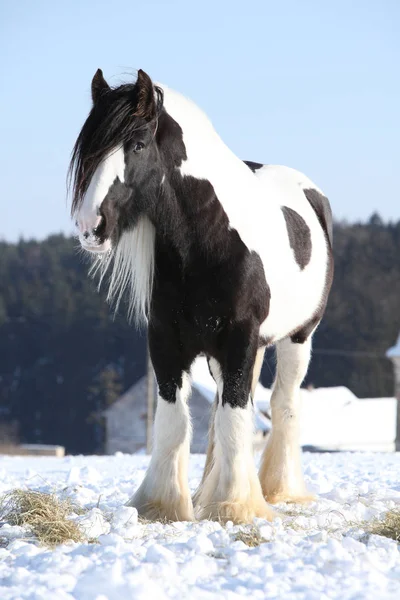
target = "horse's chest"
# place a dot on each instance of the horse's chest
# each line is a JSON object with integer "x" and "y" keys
{"x": 199, "y": 308}
{"x": 205, "y": 298}
{"x": 204, "y": 311}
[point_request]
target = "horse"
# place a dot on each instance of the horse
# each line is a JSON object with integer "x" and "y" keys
{"x": 220, "y": 258}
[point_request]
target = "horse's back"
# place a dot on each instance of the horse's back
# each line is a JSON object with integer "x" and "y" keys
{"x": 312, "y": 196}
{"x": 297, "y": 294}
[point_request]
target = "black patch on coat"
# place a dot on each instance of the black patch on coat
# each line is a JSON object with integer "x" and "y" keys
{"x": 299, "y": 236}
{"x": 254, "y": 166}
{"x": 322, "y": 209}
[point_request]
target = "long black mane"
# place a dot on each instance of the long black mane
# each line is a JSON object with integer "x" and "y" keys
{"x": 110, "y": 124}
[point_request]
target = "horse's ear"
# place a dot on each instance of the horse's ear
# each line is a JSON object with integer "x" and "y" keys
{"x": 99, "y": 85}
{"x": 146, "y": 104}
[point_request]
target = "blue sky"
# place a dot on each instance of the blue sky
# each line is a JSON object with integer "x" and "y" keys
{"x": 312, "y": 85}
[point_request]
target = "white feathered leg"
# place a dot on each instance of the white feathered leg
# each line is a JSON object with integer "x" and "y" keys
{"x": 231, "y": 490}
{"x": 215, "y": 370}
{"x": 281, "y": 473}
{"x": 164, "y": 492}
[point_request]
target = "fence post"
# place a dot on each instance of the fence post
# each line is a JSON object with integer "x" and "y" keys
{"x": 394, "y": 355}
{"x": 150, "y": 403}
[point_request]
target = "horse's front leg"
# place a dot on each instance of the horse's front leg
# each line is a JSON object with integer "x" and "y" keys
{"x": 164, "y": 492}
{"x": 232, "y": 490}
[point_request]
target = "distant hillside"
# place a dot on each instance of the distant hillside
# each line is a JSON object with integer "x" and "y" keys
{"x": 63, "y": 357}
{"x": 363, "y": 314}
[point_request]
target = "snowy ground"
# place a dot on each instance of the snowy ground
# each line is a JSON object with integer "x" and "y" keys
{"x": 312, "y": 553}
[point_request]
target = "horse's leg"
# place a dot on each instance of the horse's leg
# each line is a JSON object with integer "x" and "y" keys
{"x": 281, "y": 473}
{"x": 164, "y": 492}
{"x": 231, "y": 490}
{"x": 210, "y": 450}
{"x": 258, "y": 363}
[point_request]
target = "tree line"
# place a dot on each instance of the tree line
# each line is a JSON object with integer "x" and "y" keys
{"x": 65, "y": 356}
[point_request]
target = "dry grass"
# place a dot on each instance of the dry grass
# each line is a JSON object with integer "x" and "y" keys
{"x": 388, "y": 526}
{"x": 47, "y": 518}
{"x": 45, "y": 515}
{"x": 250, "y": 536}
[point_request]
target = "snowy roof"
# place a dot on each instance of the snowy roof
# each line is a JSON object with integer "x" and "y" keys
{"x": 395, "y": 350}
{"x": 137, "y": 390}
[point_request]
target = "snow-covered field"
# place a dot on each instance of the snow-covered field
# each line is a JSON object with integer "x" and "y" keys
{"x": 315, "y": 552}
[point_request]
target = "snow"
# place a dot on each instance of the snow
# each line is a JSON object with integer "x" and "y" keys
{"x": 395, "y": 350}
{"x": 331, "y": 418}
{"x": 368, "y": 424}
{"x": 314, "y": 552}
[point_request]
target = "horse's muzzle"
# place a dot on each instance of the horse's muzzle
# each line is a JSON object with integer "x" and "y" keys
{"x": 96, "y": 248}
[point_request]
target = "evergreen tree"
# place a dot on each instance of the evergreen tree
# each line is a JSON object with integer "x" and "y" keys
{"x": 64, "y": 357}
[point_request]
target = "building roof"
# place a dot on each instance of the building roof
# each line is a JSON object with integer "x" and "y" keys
{"x": 135, "y": 394}
{"x": 395, "y": 350}
{"x": 138, "y": 389}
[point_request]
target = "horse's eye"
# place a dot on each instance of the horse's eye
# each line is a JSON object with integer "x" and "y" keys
{"x": 138, "y": 147}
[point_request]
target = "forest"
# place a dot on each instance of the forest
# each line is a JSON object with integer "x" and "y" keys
{"x": 65, "y": 356}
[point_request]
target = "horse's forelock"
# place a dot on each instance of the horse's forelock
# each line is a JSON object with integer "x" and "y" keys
{"x": 110, "y": 124}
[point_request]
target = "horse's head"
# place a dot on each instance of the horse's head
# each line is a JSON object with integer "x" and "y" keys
{"x": 116, "y": 166}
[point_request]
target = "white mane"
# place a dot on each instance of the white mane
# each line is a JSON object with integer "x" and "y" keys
{"x": 132, "y": 270}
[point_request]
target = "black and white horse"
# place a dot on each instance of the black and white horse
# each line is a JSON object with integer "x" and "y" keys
{"x": 221, "y": 258}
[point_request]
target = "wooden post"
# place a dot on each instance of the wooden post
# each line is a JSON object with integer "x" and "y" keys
{"x": 150, "y": 403}
{"x": 394, "y": 355}
{"x": 396, "y": 363}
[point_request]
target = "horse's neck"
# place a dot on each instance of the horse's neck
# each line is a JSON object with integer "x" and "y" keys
{"x": 204, "y": 183}
{"x": 191, "y": 219}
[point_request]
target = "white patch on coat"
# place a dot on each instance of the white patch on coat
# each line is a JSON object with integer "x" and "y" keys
{"x": 296, "y": 294}
{"x": 165, "y": 487}
{"x": 132, "y": 269}
{"x": 111, "y": 168}
{"x": 253, "y": 204}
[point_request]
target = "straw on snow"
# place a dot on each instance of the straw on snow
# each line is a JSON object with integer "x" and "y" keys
{"x": 45, "y": 515}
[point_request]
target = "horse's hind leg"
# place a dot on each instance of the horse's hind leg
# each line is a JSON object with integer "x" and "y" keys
{"x": 258, "y": 363}
{"x": 281, "y": 473}
{"x": 210, "y": 450}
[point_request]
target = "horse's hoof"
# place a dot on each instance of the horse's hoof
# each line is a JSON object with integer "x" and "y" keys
{"x": 237, "y": 512}
{"x": 157, "y": 510}
{"x": 287, "y": 497}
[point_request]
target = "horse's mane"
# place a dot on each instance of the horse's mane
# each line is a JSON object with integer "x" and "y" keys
{"x": 109, "y": 125}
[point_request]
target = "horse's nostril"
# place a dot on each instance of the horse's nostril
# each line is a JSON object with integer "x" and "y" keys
{"x": 86, "y": 234}
{"x": 100, "y": 227}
